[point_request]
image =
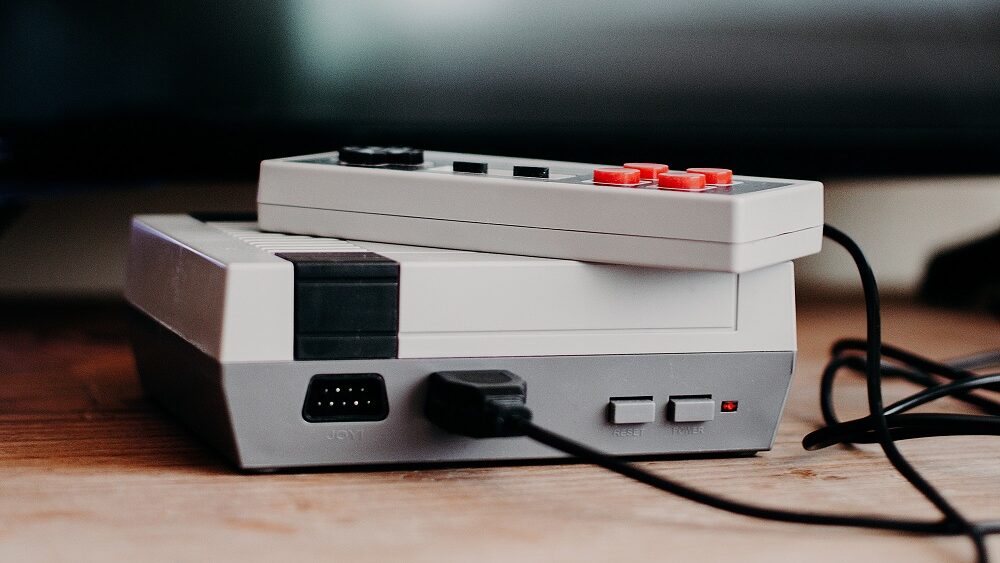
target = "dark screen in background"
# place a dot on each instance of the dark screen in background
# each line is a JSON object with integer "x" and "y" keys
{"x": 184, "y": 89}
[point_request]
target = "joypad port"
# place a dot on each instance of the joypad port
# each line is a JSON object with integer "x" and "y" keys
{"x": 348, "y": 397}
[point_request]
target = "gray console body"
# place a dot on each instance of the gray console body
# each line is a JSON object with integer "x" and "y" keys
{"x": 252, "y": 410}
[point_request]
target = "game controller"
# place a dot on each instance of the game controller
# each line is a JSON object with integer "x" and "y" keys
{"x": 642, "y": 214}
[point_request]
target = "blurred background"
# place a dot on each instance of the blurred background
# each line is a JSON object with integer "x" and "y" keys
{"x": 112, "y": 108}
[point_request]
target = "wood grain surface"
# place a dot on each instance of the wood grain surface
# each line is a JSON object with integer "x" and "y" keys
{"x": 90, "y": 470}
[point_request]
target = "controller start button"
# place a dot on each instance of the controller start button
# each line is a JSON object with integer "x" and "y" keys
{"x": 470, "y": 167}
{"x": 531, "y": 171}
{"x": 720, "y": 176}
{"x": 648, "y": 170}
{"x": 681, "y": 181}
{"x": 616, "y": 176}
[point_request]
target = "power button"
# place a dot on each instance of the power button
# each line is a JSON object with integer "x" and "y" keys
{"x": 691, "y": 409}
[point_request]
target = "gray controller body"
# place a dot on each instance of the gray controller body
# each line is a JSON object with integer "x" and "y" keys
{"x": 749, "y": 224}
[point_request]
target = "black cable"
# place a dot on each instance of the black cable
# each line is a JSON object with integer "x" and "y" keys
{"x": 920, "y": 363}
{"x": 631, "y": 471}
{"x": 473, "y": 404}
{"x": 873, "y": 354}
{"x": 903, "y": 427}
{"x": 837, "y": 432}
{"x": 589, "y": 455}
{"x": 939, "y": 391}
{"x": 980, "y": 360}
{"x": 858, "y": 364}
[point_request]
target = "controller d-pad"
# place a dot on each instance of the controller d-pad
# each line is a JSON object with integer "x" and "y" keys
{"x": 377, "y": 156}
{"x": 365, "y": 156}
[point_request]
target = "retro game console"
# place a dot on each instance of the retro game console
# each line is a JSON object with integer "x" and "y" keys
{"x": 640, "y": 214}
{"x": 294, "y": 351}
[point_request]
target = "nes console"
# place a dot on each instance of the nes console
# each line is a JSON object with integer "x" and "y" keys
{"x": 295, "y": 351}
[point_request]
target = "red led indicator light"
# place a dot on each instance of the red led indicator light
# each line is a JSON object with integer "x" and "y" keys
{"x": 730, "y": 406}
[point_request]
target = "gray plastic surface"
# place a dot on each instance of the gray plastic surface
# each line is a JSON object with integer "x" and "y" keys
{"x": 253, "y": 411}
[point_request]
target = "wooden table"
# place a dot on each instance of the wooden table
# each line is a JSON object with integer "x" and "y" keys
{"x": 90, "y": 470}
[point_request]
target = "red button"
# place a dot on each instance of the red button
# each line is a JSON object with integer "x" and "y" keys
{"x": 682, "y": 181}
{"x": 648, "y": 170}
{"x": 715, "y": 175}
{"x": 616, "y": 176}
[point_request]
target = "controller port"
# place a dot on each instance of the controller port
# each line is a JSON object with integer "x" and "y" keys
{"x": 345, "y": 397}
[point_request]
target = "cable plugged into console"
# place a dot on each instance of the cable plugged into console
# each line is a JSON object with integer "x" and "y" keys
{"x": 478, "y": 403}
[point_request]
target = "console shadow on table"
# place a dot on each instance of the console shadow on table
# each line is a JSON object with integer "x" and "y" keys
{"x": 92, "y": 470}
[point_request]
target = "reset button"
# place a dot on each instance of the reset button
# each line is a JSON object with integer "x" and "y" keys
{"x": 632, "y": 410}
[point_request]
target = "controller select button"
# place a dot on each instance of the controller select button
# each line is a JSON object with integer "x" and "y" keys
{"x": 681, "y": 181}
{"x": 648, "y": 170}
{"x": 616, "y": 176}
{"x": 404, "y": 155}
{"x": 718, "y": 176}
{"x": 470, "y": 167}
{"x": 531, "y": 171}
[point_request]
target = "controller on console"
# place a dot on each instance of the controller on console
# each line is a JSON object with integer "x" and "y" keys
{"x": 638, "y": 213}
